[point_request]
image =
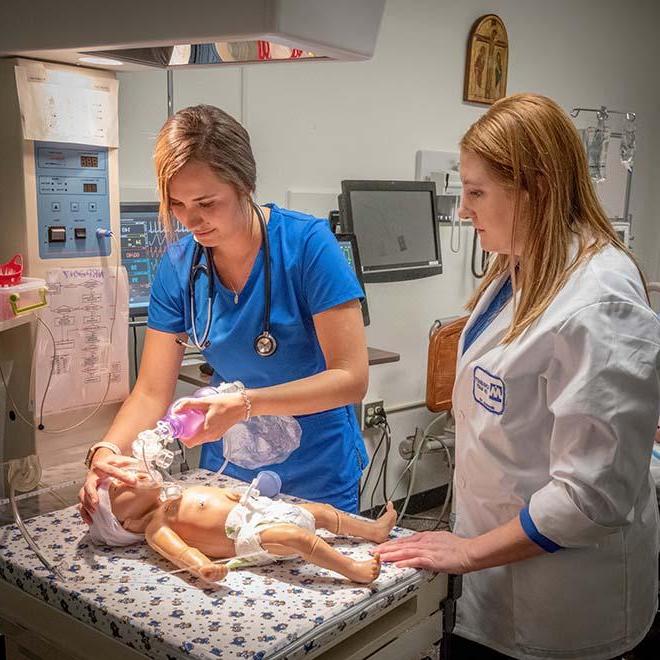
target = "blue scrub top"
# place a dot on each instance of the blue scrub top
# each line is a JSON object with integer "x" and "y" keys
{"x": 309, "y": 274}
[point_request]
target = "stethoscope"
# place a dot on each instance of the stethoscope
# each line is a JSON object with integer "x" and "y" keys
{"x": 264, "y": 344}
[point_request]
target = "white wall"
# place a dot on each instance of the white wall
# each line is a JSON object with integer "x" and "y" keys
{"x": 314, "y": 124}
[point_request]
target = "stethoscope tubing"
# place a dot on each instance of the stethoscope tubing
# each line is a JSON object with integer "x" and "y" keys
{"x": 204, "y": 342}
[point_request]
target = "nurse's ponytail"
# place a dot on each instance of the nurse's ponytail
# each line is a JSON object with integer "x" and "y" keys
{"x": 209, "y": 135}
{"x": 532, "y": 147}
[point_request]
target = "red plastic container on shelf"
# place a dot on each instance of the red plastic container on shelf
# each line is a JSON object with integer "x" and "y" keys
{"x": 11, "y": 273}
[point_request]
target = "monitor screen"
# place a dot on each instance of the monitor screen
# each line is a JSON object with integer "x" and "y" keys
{"x": 349, "y": 246}
{"x": 142, "y": 245}
{"x": 394, "y": 223}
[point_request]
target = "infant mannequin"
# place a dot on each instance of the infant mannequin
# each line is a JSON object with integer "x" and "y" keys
{"x": 207, "y": 523}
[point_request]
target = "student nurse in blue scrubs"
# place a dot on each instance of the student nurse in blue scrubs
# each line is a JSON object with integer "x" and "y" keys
{"x": 206, "y": 178}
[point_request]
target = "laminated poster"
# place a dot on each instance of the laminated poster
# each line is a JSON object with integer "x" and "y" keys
{"x": 91, "y": 340}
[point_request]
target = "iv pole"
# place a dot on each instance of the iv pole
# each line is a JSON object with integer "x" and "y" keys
{"x": 602, "y": 114}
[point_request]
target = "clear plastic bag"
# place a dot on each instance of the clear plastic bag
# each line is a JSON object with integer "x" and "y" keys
{"x": 596, "y": 142}
{"x": 628, "y": 143}
{"x": 264, "y": 440}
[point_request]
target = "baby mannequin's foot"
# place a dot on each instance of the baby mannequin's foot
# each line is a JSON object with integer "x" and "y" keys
{"x": 383, "y": 526}
{"x": 365, "y": 572}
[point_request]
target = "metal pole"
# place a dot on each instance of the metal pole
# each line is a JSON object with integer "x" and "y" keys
{"x": 170, "y": 92}
{"x": 626, "y": 200}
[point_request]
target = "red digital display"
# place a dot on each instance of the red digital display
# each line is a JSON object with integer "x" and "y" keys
{"x": 89, "y": 161}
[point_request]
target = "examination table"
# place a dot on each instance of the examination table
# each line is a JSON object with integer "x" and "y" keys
{"x": 124, "y": 603}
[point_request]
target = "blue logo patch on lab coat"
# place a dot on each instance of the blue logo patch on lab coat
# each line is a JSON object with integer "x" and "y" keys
{"x": 488, "y": 391}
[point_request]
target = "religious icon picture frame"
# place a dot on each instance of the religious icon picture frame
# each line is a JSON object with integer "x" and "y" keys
{"x": 487, "y": 61}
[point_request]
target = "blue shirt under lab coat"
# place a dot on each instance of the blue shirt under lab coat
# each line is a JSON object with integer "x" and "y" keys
{"x": 309, "y": 275}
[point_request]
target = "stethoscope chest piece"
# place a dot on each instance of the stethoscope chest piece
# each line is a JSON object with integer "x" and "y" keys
{"x": 265, "y": 344}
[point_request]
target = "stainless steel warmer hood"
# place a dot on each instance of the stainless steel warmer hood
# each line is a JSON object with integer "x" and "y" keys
{"x": 166, "y": 33}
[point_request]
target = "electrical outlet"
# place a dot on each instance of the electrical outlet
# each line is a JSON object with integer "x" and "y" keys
{"x": 372, "y": 413}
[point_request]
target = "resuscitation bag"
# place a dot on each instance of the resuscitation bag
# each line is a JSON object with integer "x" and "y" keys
{"x": 263, "y": 440}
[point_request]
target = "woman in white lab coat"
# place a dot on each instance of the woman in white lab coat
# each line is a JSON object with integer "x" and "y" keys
{"x": 556, "y": 402}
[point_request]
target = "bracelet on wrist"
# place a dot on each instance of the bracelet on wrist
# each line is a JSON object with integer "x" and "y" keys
{"x": 111, "y": 447}
{"x": 246, "y": 400}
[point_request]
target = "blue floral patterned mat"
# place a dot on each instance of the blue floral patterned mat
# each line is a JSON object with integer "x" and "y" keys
{"x": 284, "y": 610}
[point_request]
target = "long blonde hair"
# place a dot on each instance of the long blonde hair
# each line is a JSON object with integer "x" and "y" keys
{"x": 207, "y": 134}
{"x": 531, "y": 146}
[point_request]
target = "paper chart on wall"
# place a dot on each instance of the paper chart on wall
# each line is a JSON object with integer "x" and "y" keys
{"x": 59, "y": 106}
{"x": 89, "y": 347}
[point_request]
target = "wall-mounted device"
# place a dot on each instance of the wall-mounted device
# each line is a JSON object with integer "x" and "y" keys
{"x": 142, "y": 245}
{"x": 442, "y": 167}
{"x": 395, "y": 225}
{"x": 72, "y": 200}
{"x": 349, "y": 246}
{"x": 139, "y": 35}
{"x": 57, "y": 193}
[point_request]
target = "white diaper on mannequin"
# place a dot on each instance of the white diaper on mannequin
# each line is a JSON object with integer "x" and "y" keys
{"x": 245, "y": 522}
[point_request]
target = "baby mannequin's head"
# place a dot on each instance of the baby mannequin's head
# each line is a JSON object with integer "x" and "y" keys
{"x": 134, "y": 502}
{"x": 124, "y": 511}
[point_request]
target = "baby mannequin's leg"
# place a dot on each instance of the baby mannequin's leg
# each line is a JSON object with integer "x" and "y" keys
{"x": 337, "y": 522}
{"x": 288, "y": 539}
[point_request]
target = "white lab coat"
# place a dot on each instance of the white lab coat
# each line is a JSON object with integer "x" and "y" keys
{"x": 562, "y": 420}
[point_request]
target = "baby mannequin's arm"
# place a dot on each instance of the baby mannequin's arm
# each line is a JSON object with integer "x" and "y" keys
{"x": 166, "y": 542}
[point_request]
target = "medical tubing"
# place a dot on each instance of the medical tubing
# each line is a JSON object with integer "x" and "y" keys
{"x": 409, "y": 464}
{"x": 388, "y": 446}
{"x": 135, "y": 351}
{"x": 205, "y": 342}
{"x": 396, "y": 485}
{"x": 222, "y": 560}
{"x": 451, "y": 236}
{"x": 442, "y": 416}
{"x": 449, "y": 484}
{"x": 266, "y": 243}
{"x": 191, "y": 291}
{"x": 107, "y": 389}
{"x": 147, "y": 464}
{"x": 52, "y": 367}
{"x": 425, "y": 437}
{"x": 411, "y": 481}
{"x": 371, "y": 464}
{"x": 382, "y": 473}
{"x": 412, "y": 463}
{"x": 383, "y": 468}
{"x": 28, "y": 538}
{"x": 191, "y": 296}
{"x": 207, "y": 328}
{"x": 484, "y": 259}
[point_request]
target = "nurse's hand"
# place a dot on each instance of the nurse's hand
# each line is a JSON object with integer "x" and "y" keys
{"x": 103, "y": 466}
{"x": 434, "y": 551}
{"x": 222, "y": 412}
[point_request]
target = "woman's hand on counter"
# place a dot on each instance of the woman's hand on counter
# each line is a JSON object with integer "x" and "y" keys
{"x": 442, "y": 552}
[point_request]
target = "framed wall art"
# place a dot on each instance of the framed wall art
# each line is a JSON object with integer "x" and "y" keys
{"x": 487, "y": 61}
